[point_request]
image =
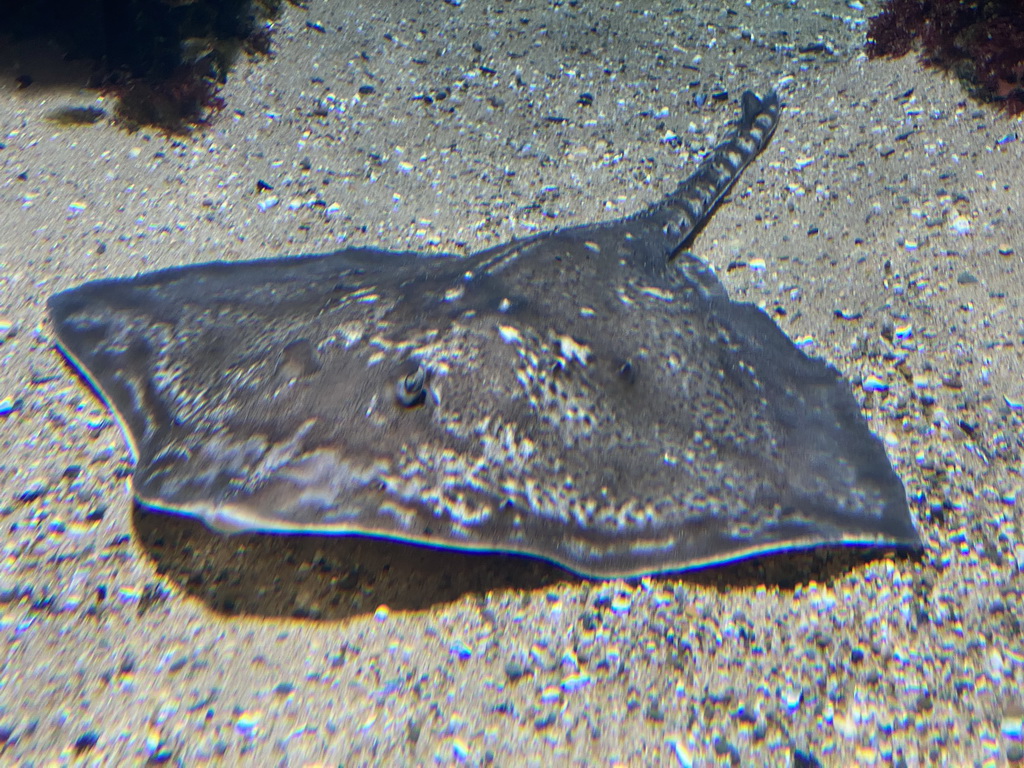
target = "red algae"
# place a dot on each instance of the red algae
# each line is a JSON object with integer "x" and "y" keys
{"x": 981, "y": 41}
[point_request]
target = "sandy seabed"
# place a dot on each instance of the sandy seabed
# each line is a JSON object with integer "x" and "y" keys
{"x": 882, "y": 229}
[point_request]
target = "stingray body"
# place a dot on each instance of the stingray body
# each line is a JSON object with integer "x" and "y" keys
{"x": 590, "y": 396}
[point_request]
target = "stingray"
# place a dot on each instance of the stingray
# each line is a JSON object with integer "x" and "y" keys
{"x": 590, "y": 396}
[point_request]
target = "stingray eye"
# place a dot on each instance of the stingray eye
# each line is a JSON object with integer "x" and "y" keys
{"x": 411, "y": 389}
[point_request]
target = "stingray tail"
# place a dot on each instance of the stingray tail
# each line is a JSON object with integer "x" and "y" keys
{"x": 684, "y": 211}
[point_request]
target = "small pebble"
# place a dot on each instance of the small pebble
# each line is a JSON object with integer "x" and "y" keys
{"x": 621, "y": 603}
{"x": 574, "y": 682}
{"x": 874, "y": 384}
{"x": 960, "y": 225}
{"x": 14, "y": 593}
{"x": 413, "y": 730}
{"x": 248, "y": 720}
{"x": 746, "y": 714}
{"x": 721, "y": 697}
{"x": 550, "y": 694}
{"x": 544, "y": 721}
{"x": 33, "y": 493}
{"x": 804, "y": 759}
{"x": 724, "y": 748}
{"x": 792, "y": 697}
{"x": 161, "y": 753}
{"x": 96, "y": 515}
{"x": 654, "y": 712}
{"x": 953, "y": 381}
{"x": 86, "y": 741}
{"x": 514, "y": 670}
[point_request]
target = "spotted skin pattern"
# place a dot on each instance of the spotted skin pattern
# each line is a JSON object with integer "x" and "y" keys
{"x": 590, "y": 396}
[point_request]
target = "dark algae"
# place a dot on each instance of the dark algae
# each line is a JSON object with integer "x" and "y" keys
{"x": 164, "y": 62}
{"x": 981, "y": 41}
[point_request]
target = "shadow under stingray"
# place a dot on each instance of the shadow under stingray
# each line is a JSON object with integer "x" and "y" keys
{"x": 325, "y": 577}
{"x": 331, "y": 578}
